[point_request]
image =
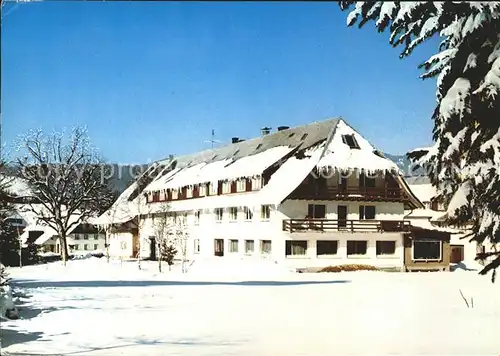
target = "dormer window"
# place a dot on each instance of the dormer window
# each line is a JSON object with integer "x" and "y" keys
{"x": 350, "y": 141}
{"x": 303, "y": 137}
{"x": 258, "y": 146}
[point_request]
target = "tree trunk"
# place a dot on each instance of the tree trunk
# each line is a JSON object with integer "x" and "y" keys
{"x": 159, "y": 258}
{"x": 106, "y": 245}
{"x": 64, "y": 249}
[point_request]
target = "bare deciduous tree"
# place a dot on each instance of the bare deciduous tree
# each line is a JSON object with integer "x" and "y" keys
{"x": 67, "y": 178}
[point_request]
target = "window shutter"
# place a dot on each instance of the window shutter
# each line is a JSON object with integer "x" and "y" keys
{"x": 361, "y": 212}
{"x": 361, "y": 179}
{"x": 248, "y": 186}
{"x": 310, "y": 210}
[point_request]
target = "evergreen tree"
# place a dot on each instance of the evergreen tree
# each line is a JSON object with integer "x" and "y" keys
{"x": 464, "y": 162}
{"x": 168, "y": 252}
{"x": 9, "y": 238}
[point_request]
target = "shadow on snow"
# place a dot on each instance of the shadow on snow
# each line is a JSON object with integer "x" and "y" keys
{"x": 77, "y": 284}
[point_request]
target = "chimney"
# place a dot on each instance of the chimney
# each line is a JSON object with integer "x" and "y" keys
{"x": 281, "y": 128}
{"x": 265, "y": 131}
{"x": 235, "y": 140}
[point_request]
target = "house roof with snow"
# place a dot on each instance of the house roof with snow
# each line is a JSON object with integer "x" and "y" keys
{"x": 421, "y": 186}
{"x": 292, "y": 153}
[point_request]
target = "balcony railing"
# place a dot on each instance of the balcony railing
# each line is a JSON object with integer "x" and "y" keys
{"x": 326, "y": 225}
{"x": 348, "y": 192}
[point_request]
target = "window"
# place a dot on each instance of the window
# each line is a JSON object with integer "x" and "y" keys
{"x": 174, "y": 217}
{"x": 350, "y": 141}
{"x": 364, "y": 181}
{"x": 189, "y": 192}
{"x": 366, "y": 212}
{"x": 76, "y": 247}
{"x": 196, "y": 246}
{"x": 233, "y": 245}
{"x": 256, "y": 183}
{"x": 326, "y": 247}
{"x": 233, "y": 213}
{"x": 197, "y": 215}
{"x": 386, "y": 247}
{"x": 175, "y": 194}
{"x": 356, "y": 247}
{"x": 96, "y": 247}
{"x": 303, "y": 137}
{"x": 77, "y": 236}
{"x": 203, "y": 190}
{"x": 427, "y": 250}
{"x": 316, "y": 211}
{"x": 226, "y": 187}
{"x": 265, "y": 246}
{"x": 295, "y": 248}
{"x": 184, "y": 218}
{"x": 86, "y": 247}
{"x": 249, "y": 246}
{"x": 241, "y": 185}
{"x": 265, "y": 212}
{"x": 248, "y": 213}
{"x": 85, "y": 236}
{"x": 219, "y": 213}
{"x": 96, "y": 236}
{"x": 123, "y": 245}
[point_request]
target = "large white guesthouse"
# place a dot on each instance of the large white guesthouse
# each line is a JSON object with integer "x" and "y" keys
{"x": 308, "y": 196}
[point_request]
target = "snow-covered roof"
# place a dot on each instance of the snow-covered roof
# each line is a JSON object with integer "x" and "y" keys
{"x": 33, "y": 223}
{"x": 295, "y": 152}
{"x": 424, "y": 192}
{"x": 420, "y": 179}
{"x": 427, "y": 225}
{"x": 339, "y": 155}
{"x": 15, "y": 185}
{"x": 424, "y": 214}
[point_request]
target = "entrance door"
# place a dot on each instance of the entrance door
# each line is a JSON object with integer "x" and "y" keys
{"x": 457, "y": 253}
{"x": 342, "y": 216}
{"x": 219, "y": 247}
{"x": 152, "y": 248}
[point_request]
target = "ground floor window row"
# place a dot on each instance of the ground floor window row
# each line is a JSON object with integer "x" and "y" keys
{"x": 84, "y": 247}
{"x": 330, "y": 247}
{"x": 299, "y": 247}
{"x": 233, "y": 246}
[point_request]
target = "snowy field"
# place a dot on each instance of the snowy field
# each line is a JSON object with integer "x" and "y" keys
{"x": 251, "y": 308}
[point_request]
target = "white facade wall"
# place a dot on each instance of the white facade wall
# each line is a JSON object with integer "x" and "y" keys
{"x": 207, "y": 229}
{"x": 86, "y": 242}
{"x": 121, "y": 245}
{"x": 78, "y": 244}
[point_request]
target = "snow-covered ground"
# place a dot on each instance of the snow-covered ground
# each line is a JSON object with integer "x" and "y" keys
{"x": 251, "y": 308}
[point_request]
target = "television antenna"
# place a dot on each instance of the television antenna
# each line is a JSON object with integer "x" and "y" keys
{"x": 212, "y": 141}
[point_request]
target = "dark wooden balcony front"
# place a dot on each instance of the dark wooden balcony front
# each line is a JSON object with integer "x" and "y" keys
{"x": 348, "y": 193}
{"x": 327, "y": 225}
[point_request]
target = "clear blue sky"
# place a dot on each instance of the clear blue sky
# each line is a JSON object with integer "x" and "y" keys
{"x": 152, "y": 79}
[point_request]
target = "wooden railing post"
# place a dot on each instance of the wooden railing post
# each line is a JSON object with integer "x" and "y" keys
{"x": 352, "y": 226}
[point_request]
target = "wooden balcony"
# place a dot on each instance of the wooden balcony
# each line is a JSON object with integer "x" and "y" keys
{"x": 326, "y": 225}
{"x": 348, "y": 193}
